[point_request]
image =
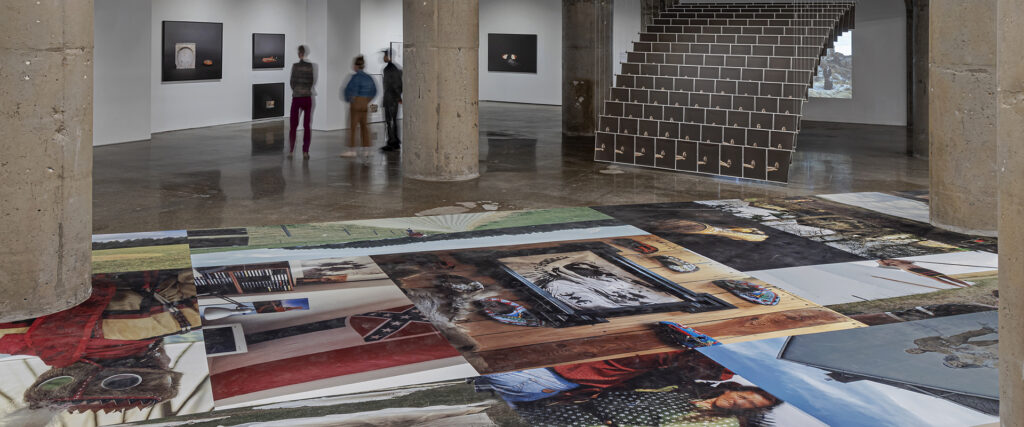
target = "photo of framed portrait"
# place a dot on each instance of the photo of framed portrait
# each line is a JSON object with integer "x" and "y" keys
{"x": 596, "y": 281}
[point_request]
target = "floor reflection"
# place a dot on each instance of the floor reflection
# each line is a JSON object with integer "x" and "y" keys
{"x": 525, "y": 162}
{"x": 268, "y": 137}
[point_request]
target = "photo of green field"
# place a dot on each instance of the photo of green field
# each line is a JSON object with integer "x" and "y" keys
{"x": 267, "y": 237}
{"x": 166, "y": 257}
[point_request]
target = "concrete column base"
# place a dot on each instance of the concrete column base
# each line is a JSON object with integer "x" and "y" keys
{"x": 441, "y": 90}
{"x": 45, "y": 157}
{"x": 962, "y": 115}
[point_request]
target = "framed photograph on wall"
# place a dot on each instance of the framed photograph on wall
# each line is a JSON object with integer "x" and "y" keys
{"x": 396, "y": 53}
{"x": 267, "y": 100}
{"x": 192, "y": 51}
{"x": 512, "y": 53}
{"x": 267, "y": 51}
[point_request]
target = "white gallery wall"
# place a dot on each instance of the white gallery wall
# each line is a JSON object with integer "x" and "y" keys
{"x": 121, "y": 97}
{"x": 627, "y": 23}
{"x": 540, "y": 17}
{"x": 879, "y": 70}
{"x": 333, "y": 34}
{"x": 128, "y": 36}
{"x": 182, "y": 105}
{"x": 131, "y": 102}
{"x": 381, "y": 24}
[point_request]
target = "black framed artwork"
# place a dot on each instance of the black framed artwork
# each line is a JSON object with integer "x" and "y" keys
{"x": 513, "y": 53}
{"x": 267, "y": 100}
{"x": 267, "y": 51}
{"x": 192, "y": 51}
{"x": 397, "y": 55}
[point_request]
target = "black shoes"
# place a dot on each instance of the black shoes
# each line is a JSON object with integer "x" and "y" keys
{"x": 391, "y": 147}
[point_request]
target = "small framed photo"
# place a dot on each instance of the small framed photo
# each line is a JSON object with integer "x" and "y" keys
{"x": 223, "y": 340}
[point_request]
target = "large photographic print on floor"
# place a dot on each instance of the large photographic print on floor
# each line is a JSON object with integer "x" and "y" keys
{"x": 871, "y": 235}
{"x": 280, "y": 331}
{"x": 572, "y": 316}
{"x": 936, "y": 372}
{"x": 681, "y": 388}
{"x": 454, "y": 403}
{"x": 125, "y": 354}
{"x": 158, "y": 250}
{"x": 192, "y": 51}
{"x": 518, "y": 307}
{"x": 738, "y": 242}
{"x": 795, "y": 231}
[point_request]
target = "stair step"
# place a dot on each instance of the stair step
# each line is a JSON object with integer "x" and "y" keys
{"x": 690, "y": 156}
{"x": 739, "y": 107}
{"x": 811, "y": 51}
{"x": 766, "y": 30}
{"x": 677, "y": 86}
{"x": 700, "y": 132}
{"x": 817, "y": 28}
{"x": 678, "y": 116}
{"x": 721, "y": 73}
{"x": 717, "y": 60}
{"x": 743, "y": 88}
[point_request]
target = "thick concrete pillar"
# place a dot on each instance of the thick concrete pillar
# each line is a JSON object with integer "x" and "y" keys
{"x": 45, "y": 156}
{"x": 441, "y": 93}
{"x": 1010, "y": 164}
{"x": 919, "y": 77}
{"x": 962, "y": 115}
{"x": 586, "y": 63}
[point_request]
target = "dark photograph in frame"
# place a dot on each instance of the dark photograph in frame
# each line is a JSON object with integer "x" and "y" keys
{"x": 192, "y": 51}
{"x": 267, "y": 100}
{"x": 267, "y": 51}
{"x": 512, "y": 53}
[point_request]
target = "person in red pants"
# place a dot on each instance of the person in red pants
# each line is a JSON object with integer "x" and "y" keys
{"x": 302, "y": 81}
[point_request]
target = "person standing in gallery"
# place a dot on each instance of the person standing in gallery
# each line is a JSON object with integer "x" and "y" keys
{"x": 392, "y": 97}
{"x": 302, "y": 81}
{"x": 359, "y": 92}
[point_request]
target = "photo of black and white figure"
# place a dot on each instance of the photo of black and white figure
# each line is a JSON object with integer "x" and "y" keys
{"x": 587, "y": 282}
{"x": 834, "y": 78}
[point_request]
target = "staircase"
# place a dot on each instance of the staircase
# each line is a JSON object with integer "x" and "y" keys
{"x": 718, "y": 88}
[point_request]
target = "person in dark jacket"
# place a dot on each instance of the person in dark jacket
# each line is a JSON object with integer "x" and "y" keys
{"x": 302, "y": 81}
{"x": 392, "y": 97}
{"x": 359, "y": 92}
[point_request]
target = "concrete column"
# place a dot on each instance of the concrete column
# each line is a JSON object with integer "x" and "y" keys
{"x": 1010, "y": 164}
{"x": 962, "y": 115}
{"x": 586, "y": 63}
{"x": 441, "y": 95}
{"x": 919, "y": 79}
{"x": 45, "y": 156}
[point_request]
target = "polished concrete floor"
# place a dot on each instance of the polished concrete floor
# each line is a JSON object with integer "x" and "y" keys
{"x": 237, "y": 175}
